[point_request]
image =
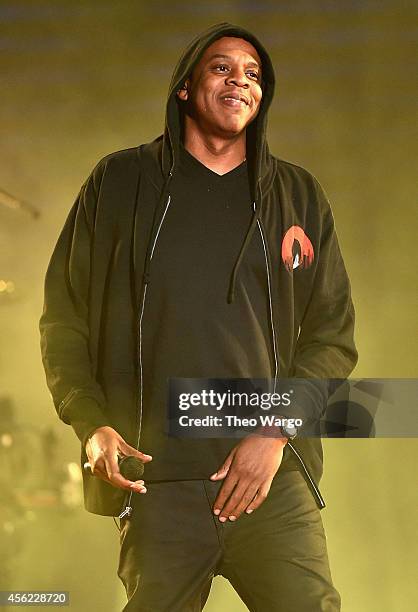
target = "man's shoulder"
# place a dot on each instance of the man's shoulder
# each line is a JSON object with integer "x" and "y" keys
{"x": 302, "y": 184}
{"x": 295, "y": 171}
{"x": 123, "y": 155}
{"x": 301, "y": 188}
{"x": 131, "y": 157}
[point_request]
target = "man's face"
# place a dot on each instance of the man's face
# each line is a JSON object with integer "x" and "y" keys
{"x": 224, "y": 92}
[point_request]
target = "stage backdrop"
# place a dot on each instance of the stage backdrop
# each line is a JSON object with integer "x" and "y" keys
{"x": 82, "y": 79}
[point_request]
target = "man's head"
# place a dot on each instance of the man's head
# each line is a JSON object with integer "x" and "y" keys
{"x": 223, "y": 94}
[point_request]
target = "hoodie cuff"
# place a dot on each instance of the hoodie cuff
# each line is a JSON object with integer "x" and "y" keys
{"x": 309, "y": 402}
{"x": 85, "y": 415}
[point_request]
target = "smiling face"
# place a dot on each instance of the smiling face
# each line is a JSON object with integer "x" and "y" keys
{"x": 223, "y": 94}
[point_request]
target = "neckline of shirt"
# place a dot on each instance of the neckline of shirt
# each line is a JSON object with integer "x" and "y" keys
{"x": 189, "y": 162}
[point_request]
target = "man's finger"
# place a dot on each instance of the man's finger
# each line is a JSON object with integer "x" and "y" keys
{"x": 115, "y": 477}
{"x": 227, "y": 487}
{"x": 130, "y": 450}
{"x": 248, "y": 496}
{"x": 138, "y": 486}
{"x": 258, "y": 499}
{"x": 234, "y": 501}
{"x": 118, "y": 480}
{"x": 220, "y": 474}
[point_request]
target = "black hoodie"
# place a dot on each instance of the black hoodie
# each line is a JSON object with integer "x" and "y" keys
{"x": 96, "y": 283}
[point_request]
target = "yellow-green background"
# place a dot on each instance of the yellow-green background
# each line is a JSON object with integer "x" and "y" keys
{"x": 82, "y": 79}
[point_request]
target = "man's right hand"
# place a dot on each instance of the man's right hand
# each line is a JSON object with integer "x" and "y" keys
{"x": 103, "y": 447}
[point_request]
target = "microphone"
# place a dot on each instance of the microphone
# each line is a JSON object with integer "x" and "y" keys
{"x": 131, "y": 467}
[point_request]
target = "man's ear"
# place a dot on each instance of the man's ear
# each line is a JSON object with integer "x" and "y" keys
{"x": 183, "y": 92}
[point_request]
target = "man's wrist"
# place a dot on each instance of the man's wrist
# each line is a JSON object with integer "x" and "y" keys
{"x": 273, "y": 432}
{"x": 285, "y": 430}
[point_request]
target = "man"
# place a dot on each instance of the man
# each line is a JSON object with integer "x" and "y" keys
{"x": 200, "y": 255}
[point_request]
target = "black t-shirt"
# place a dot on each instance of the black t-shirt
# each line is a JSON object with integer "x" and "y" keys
{"x": 189, "y": 329}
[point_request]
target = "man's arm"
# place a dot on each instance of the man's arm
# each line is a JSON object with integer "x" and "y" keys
{"x": 325, "y": 350}
{"x": 78, "y": 398}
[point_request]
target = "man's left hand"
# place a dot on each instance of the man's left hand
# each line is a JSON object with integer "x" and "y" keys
{"x": 248, "y": 471}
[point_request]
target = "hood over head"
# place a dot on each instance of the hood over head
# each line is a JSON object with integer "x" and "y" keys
{"x": 259, "y": 164}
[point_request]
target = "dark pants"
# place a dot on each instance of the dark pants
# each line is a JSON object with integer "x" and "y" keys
{"x": 276, "y": 558}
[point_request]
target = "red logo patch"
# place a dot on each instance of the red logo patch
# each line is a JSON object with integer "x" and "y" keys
{"x": 304, "y": 254}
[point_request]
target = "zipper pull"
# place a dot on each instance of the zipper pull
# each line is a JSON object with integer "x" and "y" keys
{"x": 127, "y": 512}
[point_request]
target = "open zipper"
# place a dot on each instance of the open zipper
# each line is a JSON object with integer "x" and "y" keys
{"x": 127, "y": 509}
{"x": 310, "y": 481}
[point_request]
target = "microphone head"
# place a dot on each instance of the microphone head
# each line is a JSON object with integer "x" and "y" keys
{"x": 131, "y": 468}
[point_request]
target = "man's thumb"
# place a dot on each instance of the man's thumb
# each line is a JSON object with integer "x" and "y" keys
{"x": 223, "y": 470}
{"x": 130, "y": 450}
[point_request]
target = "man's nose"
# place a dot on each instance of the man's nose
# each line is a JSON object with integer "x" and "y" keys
{"x": 237, "y": 78}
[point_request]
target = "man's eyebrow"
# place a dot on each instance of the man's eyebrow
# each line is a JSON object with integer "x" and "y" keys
{"x": 230, "y": 58}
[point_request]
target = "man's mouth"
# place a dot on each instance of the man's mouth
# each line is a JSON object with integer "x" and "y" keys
{"x": 233, "y": 99}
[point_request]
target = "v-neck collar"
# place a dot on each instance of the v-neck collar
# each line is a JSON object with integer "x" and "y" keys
{"x": 189, "y": 162}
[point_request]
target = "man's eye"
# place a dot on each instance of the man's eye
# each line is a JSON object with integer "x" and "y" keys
{"x": 253, "y": 75}
{"x": 221, "y": 67}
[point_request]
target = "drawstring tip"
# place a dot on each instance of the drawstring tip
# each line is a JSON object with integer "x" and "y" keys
{"x": 231, "y": 296}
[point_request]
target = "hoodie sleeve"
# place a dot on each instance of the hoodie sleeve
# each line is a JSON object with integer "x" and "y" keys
{"x": 78, "y": 398}
{"x": 325, "y": 347}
